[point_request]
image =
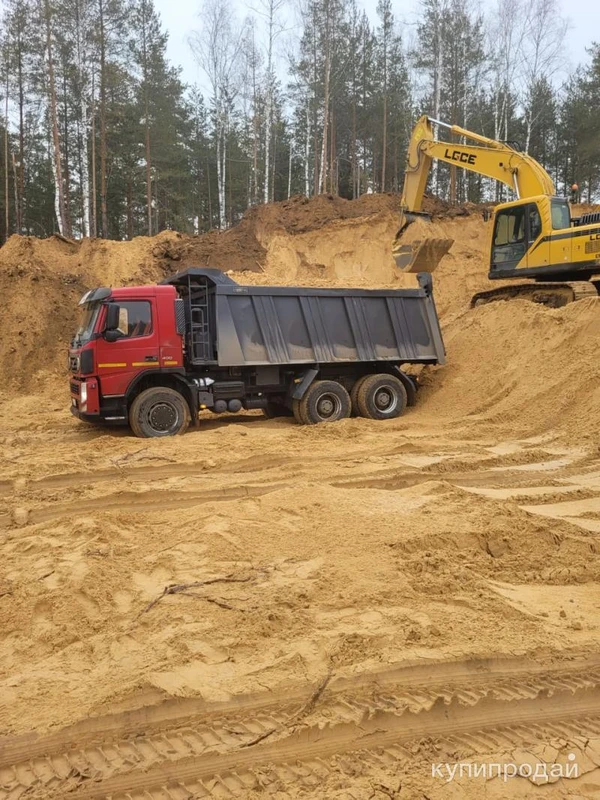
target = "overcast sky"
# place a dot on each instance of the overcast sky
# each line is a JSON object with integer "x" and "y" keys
{"x": 181, "y": 17}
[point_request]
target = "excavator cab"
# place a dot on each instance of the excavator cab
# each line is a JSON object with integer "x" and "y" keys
{"x": 520, "y": 238}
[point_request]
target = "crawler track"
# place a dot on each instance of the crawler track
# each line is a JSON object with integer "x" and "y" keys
{"x": 554, "y": 295}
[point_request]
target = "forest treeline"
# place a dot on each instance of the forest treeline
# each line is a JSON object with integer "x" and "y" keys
{"x": 101, "y": 137}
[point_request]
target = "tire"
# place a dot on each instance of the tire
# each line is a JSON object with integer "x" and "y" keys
{"x": 381, "y": 397}
{"x": 354, "y": 395}
{"x": 273, "y": 410}
{"x": 157, "y": 412}
{"x": 297, "y": 412}
{"x": 324, "y": 401}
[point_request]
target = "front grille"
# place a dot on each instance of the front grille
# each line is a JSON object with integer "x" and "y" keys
{"x": 74, "y": 388}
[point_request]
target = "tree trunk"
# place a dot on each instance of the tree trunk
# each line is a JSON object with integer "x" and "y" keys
{"x": 103, "y": 148}
{"x": 59, "y": 200}
{"x": 82, "y": 28}
{"x": 384, "y": 145}
{"x": 20, "y": 194}
{"x": 129, "y": 210}
{"x": 16, "y": 182}
{"x": 307, "y": 150}
{"x": 353, "y": 152}
{"x": 94, "y": 219}
{"x": 210, "y": 213}
{"x": 221, "y": 148}
{"x": 332, "y": 176}
{"x": 437, "y": 82}
{"x": 67, "y": 177}
{"x": 255, "y": 128}
{"x": 85, "y": 169}
{"x": 147, "y": 119}
{"x": 6, "y": 171}
{"x": 326, "y": 101}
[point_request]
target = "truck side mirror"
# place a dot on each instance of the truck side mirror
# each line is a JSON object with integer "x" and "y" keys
{"x": 112, "y": 317}
{"x": 112, "y": 335}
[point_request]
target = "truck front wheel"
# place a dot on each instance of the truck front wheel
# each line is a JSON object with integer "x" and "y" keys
{"x": 324, "y": 401}
{"x": 381, "y": 397}
{"x": 159, "y": 411}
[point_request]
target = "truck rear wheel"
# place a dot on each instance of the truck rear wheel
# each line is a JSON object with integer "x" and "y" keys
{"x": 381, "y": 397}
{"x": 324, "y": 401}
{"x": 273, "y": 410}
{"x": 354, "y": 396}
{"x": 159, "y": 411}
{"x": 297, "y": 412}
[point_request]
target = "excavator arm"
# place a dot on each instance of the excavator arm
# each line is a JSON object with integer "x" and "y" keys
{"x": 497, "y": 160}
{"x": 519, "y": 171}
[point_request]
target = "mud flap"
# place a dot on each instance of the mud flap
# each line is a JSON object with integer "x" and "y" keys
{"x": 301, "y": 385}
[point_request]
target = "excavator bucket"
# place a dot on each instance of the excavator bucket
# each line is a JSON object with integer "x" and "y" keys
{"x": 420, "y": 254}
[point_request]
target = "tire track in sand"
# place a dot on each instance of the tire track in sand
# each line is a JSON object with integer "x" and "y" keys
{"x": 190, "y": 747}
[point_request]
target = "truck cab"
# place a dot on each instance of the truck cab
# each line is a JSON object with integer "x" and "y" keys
{"x": 126, "y": 337}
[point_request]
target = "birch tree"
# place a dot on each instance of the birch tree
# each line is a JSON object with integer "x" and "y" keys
{"x": 430, "y": 57}
{"x": 543, "y": 54}
{"x": 84, "y": 21}
{"x": 216, "y": 48}
{"x": 59, "y": 202}
{"x": 270, "y": 11}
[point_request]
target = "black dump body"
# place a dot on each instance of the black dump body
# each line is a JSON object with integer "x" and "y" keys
{"x": 229, "y": 325}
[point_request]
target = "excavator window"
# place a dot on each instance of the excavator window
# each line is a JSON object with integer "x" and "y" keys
{"x": 561, "y": 215}
{"x": 509, "y": 236}
{"x": 535, "y": 223}
{"x": 510, "y": 226}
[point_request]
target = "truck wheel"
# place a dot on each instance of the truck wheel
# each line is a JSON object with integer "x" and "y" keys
{"x": 381, "y": 397}
{"x": 297, "y": 412}
{"x": 272, "y": 410}
{"x": 324, "y": 401}
{"x": 354, "y": 395}
{"x": 159, "y": 411}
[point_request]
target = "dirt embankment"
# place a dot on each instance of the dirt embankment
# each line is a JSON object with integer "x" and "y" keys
{"x": 326, "y": 239}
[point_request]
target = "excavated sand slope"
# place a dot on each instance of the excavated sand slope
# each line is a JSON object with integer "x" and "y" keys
{"x": 348, "y": 604}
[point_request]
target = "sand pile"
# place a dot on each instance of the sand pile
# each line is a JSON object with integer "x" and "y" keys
{"x": 41, "y": 282}
{"x": 521, "y": 367}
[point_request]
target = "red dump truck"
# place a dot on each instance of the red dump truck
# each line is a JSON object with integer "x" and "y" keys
{"x": 153, "y": 357}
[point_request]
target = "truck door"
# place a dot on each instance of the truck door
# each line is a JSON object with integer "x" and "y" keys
{"x": 136, "y": 350}
{"x": 538, "y": 245}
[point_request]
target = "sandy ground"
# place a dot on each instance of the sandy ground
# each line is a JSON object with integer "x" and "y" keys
{"x": 347, "y": 605}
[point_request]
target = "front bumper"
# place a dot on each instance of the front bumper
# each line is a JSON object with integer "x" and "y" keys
{"x": 98, "y": 419}
{"x": 87, "y": 405}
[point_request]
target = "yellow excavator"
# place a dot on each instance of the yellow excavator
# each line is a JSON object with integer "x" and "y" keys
{"x": 533, "y": 236}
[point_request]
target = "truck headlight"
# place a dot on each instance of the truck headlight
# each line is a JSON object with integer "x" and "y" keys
{"x": 83, "y": 396}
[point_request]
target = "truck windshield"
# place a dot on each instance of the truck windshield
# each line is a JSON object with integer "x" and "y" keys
{"x": 87, "y": 321}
